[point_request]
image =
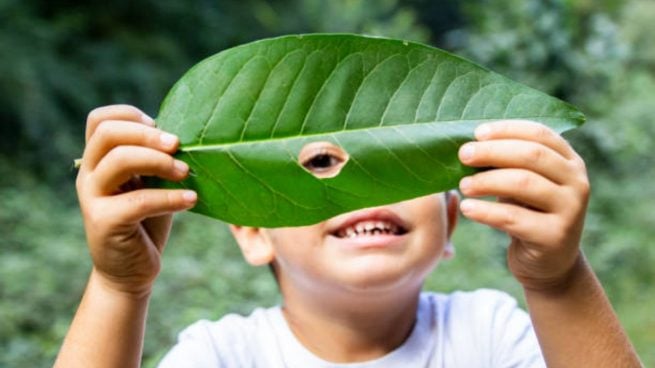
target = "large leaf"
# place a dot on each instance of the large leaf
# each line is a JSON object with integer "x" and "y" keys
{"x": 400, "y": 110}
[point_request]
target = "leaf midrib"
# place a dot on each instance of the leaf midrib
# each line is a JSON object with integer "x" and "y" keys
{"x": 210, "y": 147}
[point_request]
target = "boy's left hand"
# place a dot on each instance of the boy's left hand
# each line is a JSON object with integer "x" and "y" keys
{"x": 542, "y": 187}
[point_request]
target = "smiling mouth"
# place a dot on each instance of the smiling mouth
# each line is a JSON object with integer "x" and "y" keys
{"x": 370, "y": 228}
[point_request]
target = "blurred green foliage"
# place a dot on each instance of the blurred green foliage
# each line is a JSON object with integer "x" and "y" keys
{"x": 60, "y": 59}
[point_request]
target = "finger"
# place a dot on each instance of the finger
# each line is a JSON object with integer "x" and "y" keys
{"x": 525, "y": 130}
{"x": 510, "y": 153}
{"x": 112, "y": 133}
{"x": 124, "y": 162}
{"x": 518, "y": 222}
{"x": 115, "y": 112}
{"x": 136, "y": 206}
{"x": 522, "y": 186}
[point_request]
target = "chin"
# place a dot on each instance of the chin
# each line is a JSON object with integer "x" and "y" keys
{"x": 376, "y": 277}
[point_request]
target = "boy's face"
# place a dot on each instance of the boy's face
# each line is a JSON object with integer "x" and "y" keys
{"x": 375, "y": 249}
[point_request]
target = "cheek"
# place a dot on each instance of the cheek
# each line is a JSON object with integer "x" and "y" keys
{"x": 430, "y": 245}
{"x": 301, "y": 258}
{"x": 431, "y": 218}
{"x": 294, "y": 245}
{"x": 431, "y": 227}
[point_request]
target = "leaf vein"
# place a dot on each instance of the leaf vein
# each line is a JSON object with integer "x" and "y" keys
{"x": 361, "y": 167}
{"x": 208, "y": 147}
{"x": 420, "y": 148}
{"x": 257, "y": 99}
{"x": 217, "y": 181}
{"x": 434, "y": 75}
{"x": 400, "y": 86}
{"x": 286, "y": 99}
{"x": 264, "y": 184}
{"x": 400, "y": 161}
{"x": 450, "y": 85}
{"x": 359, "y": 89}
{"x": 218, "y": 101}
{"x": 325, "y": 82}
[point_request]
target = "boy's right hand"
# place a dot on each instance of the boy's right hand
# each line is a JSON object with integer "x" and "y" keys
{"x": 126, "y": 224}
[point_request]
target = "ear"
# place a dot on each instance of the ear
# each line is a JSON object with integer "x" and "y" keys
{"x": 452, "y": 214}
{"x": 255, "y": 244}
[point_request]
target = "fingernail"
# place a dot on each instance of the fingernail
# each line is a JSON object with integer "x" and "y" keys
{"x": 465, "y": 183}
{"x": 482, "y": 131}
{"x": 168, "y": 140}
{"x": 189, "y": 196}
{"x": 147, "y": 120}
{"x": 466, "y": 206}
{"x": 181, "y": 167}
{"x": 466, "y": 151}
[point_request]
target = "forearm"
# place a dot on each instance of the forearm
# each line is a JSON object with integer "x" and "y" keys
{"x": 577, "y": 326}
{"x": 107, "y": 330}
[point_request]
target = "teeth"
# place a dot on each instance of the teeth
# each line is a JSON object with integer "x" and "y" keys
{"x": 365, "y": 228}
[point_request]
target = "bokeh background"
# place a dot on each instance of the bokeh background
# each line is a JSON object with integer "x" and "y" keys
{"x": 60, "y": 59}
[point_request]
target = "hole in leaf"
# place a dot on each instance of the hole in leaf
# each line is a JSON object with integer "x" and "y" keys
{"x": 322, "y": 159}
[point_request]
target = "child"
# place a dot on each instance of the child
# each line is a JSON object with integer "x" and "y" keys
{"x": 351, "y": 285}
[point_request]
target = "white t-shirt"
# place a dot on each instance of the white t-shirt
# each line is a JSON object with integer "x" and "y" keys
{"x": 483, "y": 328}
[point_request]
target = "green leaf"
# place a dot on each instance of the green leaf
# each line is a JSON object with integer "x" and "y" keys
{"x": 399, "y": 110}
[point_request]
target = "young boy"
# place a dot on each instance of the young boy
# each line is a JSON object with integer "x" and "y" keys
{"x": 351, "y": 285}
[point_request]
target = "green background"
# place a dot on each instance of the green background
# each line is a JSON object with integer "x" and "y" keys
{"x": 58, "y": 60}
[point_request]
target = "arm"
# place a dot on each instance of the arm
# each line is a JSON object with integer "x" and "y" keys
{"x": 107, "y": 330}
{"x": 576, "y": 325}
{"x": 543, "y": 191}
{"x": 127, "y": 227}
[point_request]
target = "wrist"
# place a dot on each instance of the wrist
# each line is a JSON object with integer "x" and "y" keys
{"x": 561, "y": 284}
{"x": 127, "y": 292}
